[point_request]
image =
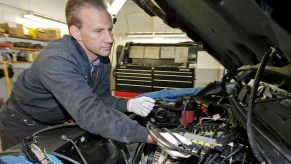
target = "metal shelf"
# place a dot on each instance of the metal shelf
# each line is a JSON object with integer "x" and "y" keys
{"x": 22, "y": 49}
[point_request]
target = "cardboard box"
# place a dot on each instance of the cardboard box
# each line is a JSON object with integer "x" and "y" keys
{"x": 2, "y": 30}
{"x": 58, "y": 33}
{"x": 10, "y": 28}
{"x": 41, "y": 33}
{"x": 13, "y": 29}
{"x": 20, "y": 31}
{"x": 53, "y": 33}
{"x": 48, "y": 33}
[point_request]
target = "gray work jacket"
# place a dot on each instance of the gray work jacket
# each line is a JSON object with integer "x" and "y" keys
{"x": 57, "y": 86}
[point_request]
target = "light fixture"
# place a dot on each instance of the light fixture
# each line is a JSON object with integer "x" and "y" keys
{"x": 115, "y": 6}
{"x": 155, "y": 34}
{"x": 42, "y": 18}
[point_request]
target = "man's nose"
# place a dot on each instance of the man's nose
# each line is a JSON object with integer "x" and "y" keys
{"x": 109, "y": 37}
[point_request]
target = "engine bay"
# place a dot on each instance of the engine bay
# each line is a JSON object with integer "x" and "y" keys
{"x": 215, "y": 120}
{"x": 210, "y": 125}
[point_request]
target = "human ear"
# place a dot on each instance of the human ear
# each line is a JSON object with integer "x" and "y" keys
{"x": 75, "y": 32}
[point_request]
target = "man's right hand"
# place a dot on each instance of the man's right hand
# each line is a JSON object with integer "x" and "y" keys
{"x": 171, "y": 139}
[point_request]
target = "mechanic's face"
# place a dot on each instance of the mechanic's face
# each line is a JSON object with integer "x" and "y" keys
{"x": 96, "y": 32}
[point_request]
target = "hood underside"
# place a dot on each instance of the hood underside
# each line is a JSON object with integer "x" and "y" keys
{"x": 234, "y": 32}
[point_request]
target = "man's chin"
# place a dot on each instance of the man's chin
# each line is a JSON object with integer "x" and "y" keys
{"x": 104, "y": 52}
{"x": 104, "y": 55}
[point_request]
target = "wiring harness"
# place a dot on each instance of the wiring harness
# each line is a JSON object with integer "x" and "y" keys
{"x": 181, "y": 147}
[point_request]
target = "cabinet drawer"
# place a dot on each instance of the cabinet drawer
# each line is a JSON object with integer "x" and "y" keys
{"x": 172, "y": 83}
{"x": 173, "y": 77}
{"x": 134, "y": 82}
{"x": 131, "y": 76}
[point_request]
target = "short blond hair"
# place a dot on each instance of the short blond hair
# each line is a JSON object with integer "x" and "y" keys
{"x": 73, "y": 8}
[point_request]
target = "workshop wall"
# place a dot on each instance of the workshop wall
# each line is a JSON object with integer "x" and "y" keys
{"x": 13, "y": 11}
{"x": 129, "y": 19}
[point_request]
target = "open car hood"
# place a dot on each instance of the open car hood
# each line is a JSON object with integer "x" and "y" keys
{"x": 241, "y": 35}
{"x": 236, "y": 33}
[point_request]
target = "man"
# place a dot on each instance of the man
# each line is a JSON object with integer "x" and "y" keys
{"x": 70, "y": 79}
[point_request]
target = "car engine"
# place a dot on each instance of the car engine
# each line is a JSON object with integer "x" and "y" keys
{"x": 214, "y": 120}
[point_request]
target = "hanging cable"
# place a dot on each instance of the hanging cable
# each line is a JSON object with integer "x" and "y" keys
{"x": 251, "y": 105}
{"x": 231, "y": 154}
{"x": 54, "y": 127}
{"x": 65, "y": 138}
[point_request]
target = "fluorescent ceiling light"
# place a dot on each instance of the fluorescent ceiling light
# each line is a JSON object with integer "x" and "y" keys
{"x": 115, "y": 6}
{"x": 43, "y": 19}
{"x": 154, "y": 34}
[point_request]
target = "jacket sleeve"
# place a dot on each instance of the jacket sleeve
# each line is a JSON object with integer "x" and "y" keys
{"x": 64, "y": 80}
{"x": 103, "y": 90}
